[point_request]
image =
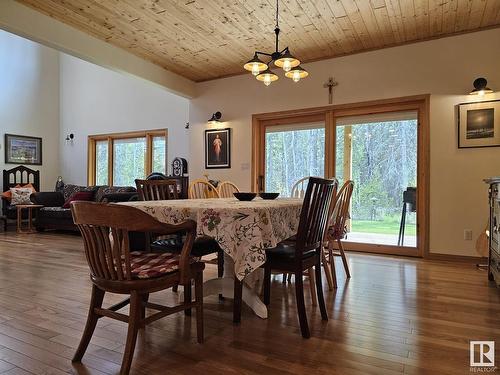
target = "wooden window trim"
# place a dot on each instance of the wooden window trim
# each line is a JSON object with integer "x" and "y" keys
{"x": 328, "y": 114}
{"x": 110, "y": 138}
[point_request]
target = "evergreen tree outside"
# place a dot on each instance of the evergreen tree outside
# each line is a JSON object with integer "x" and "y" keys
{"x": 128, "y": 161}
{"x": 384, "y": 164}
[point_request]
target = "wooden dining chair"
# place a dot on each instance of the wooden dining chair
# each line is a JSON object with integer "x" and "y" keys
{"x": 115, "y": 269}
{"x": 226, "y": 189}
{"x": 299, "y": 187}
{"x": 155, "y": 190}
{"x": 337, "y": 229}
{"x": 298, "y": 191}
{"x": 202, "y": 189}
{"x": 305, "y": 252}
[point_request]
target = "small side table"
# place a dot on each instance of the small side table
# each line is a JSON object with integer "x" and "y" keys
{"x": 29, "y": 207}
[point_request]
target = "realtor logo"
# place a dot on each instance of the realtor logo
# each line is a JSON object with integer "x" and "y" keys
{"x": 482, "y": 353}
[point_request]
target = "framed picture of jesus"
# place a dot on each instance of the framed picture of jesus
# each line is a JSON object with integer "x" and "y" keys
{"x": 218, "y": 148}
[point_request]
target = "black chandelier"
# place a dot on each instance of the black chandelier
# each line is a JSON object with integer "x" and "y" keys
{"x": 282, "y": 59}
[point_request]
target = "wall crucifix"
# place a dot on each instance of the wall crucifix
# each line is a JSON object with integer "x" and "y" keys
{"x": 331, "y": 83}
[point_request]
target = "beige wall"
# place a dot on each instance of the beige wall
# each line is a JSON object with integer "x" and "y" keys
{"x": 444, "y": 68}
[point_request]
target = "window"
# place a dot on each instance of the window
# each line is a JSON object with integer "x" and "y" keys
{"x": 118, "y": 159}
{"x": 291, "y": 153}
{"x": 129, "y": 159}
{"x": 159, "y": 154}
{"x": 101, "y": 167}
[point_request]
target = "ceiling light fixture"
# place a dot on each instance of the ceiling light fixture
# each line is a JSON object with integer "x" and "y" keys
{"x": 480, "y": 87}
{"x": 282, "y": 59}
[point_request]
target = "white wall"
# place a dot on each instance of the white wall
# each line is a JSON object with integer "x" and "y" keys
{"x": 444, "y": 68}
{"x": 27, "y": 22}
{"x": 29, "y": 100}
{"x": 95, "y": 100}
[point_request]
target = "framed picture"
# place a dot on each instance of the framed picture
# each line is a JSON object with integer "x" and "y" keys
{"x": 218, "y": 148}
{"x": 20, "y": 149}
{"x": 479, "y": 124}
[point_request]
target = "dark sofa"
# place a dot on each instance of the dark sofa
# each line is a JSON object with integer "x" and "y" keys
{"x": 54, "y": 216}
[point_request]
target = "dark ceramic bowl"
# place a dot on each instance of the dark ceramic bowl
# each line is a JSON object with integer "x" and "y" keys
{"x": 245, "y": 196}
{"x": 269, "y": 195}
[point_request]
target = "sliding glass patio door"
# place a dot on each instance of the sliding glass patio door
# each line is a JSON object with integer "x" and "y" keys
{"x": 382, "y": 146}
{"x": 379, "y": 153}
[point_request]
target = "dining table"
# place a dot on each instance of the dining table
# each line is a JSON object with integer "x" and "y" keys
{"x": 243, "y": 230}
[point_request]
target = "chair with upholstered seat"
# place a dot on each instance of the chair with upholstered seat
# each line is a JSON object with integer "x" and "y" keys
{"x": 151, "y": 190}
{"x": 226, "y": 189}
{"x": 305, "y": 252}
{"x": 298, "y": 191}
{"x": 337, "y": 229}
{"x": 115, "y": 269}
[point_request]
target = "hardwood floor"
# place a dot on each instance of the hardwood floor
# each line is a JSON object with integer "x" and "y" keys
{"x": 395, "y": 316}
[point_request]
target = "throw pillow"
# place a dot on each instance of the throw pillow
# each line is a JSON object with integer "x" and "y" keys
{"x": 70, "y": 189}
{"x": 79, "y": 196}
{"x": 20, "y": 196}
{"x": 30, "y": 186}
{"x": 7, "y": 194}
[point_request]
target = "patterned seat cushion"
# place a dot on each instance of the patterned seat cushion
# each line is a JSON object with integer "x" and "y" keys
{"x": 149, "y": 265}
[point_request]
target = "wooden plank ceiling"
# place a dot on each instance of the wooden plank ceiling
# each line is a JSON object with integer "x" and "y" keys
{"x": 207, "y": 39}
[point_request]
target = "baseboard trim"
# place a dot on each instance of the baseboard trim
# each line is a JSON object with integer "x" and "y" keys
{"x": 456, "y": 258}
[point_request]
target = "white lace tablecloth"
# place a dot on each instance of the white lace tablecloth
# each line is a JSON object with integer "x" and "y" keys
{"x": 243, "y": 229}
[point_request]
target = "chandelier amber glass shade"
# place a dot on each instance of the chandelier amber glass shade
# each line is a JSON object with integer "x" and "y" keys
{"x": 287, "y": 61}
{"x": 267, "y": 76}
{"x": 296, "y": 73}
{"x": 255, "y": 65}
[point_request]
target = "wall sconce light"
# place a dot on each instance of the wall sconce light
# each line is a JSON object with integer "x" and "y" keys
{"x": 480, "y": 87}
{"x": 69, "y": 138}
{"x": 215, "y": 119}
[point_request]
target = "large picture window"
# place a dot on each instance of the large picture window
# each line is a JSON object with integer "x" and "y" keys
{"x": 118, "y": 159}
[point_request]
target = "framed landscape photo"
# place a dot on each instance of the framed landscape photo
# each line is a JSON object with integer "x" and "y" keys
{"x": 479, "y": 124}
{"x": 218, "y": 148}
{"x": 20, "y": 149}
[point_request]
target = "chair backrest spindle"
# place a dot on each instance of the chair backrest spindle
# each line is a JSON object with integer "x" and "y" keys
{"x": 202, "y": 189}
{"x": 226, "y": 189}
{"x": 340, "y": 212}
{"x": 156, "y": 190}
